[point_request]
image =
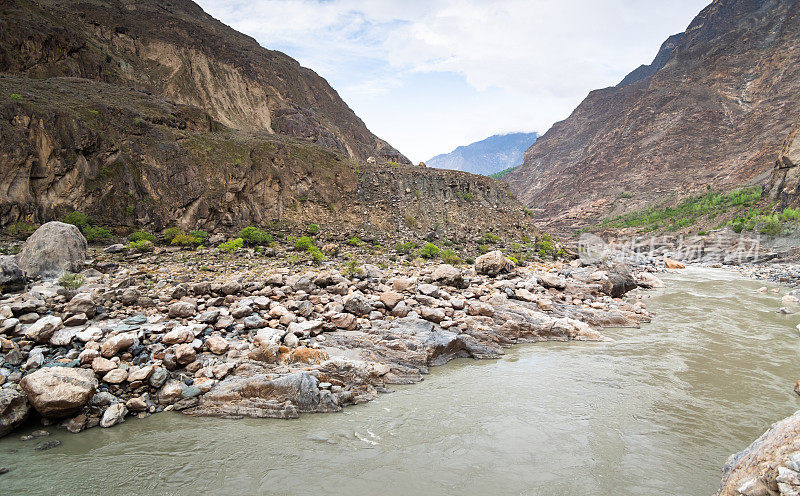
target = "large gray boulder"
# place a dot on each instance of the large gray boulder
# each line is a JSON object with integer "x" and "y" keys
{"x": 13, "y": 410}
{"x": 493, "y": 263}
{"x": 59, "y": 391}
{"x": 11, "y": 276}
{"x": 54, "y": 249}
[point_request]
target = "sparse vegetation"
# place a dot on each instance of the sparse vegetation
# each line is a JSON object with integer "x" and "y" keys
{"x": 254, "y": 236}
{"x": 183, "y": 239}
{"x": 313, "y": 229}
{"x": 200, "y": 235}
{"x": 489, "y": 239}
{"x": 16, "y": 96}
{"x": 405, "y": 248}
{"x": 97, "y": 234}
{"x": 170, "y": 232}
{"x": 354, "y": 241}
{"x": 450, "y": 257}
{"x": 232, "y": 245}
{"x": 78, "y": 219}
{"x": 465, "y": 196}
{"x": 687, "y": 212}
{"x": 498, "y": 175}
{"x": 141, "y": 235}
{"x": 141, "y": 246}
{"x": 305, "y": 243}
{"x": 21, "y": 230}
{"x": 71, "y": 281}
{"x": 428, "y": 251}
{"x": 769, "y": 224}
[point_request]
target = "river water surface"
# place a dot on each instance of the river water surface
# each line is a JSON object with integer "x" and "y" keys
{"x": 656, "y": 412}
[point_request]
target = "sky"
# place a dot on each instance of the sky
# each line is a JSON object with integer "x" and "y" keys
{"x": 430, "y": 75}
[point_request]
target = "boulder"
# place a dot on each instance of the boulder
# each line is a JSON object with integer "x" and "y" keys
{"x": 391, "y": 298}
{"x": 59, "y": 391}
{"x": 54, "y": 249}
{"x": 14, "y": 410}
{"x": 115, "y": 344}
{"x": 182, "y": 309}
{"x": 11, "y": 276}
{"x": 493, "y": 263}
{"x": 649, "y": 281}
{"x": 357, "y": 304}
{"x": 550, "y": 280}
{"x": 448, "y": 275}
{"x": 673, "y": 264}
{"x": 217, "y": 345}
{"x": 81, "y": 303}
{"x": 113, "y": 415}
{"x": 618, "y": 281}
{"x": 42, "y": 330}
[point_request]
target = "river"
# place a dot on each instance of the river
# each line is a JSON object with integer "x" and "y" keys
{"x": 656, "y": 412}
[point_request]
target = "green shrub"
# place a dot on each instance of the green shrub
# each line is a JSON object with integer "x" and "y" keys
{"x": 253, "y": 236}
{"x": 450, "y": 257}
{"x": 405, "y": 248}
{"x": 96, "y": 234}
{"x": 77, "y": 219}
{"x": 141, "y": 235}
{"x": 170, "y": 232}
{"x": 313, "y": 229}
{"x": 21, "y": 230}
{"x": 200, "y": 235}
{"x": 16, "y": 96}
{"x": 304, "y": 243}
{"x": 429, "y": 250}
{"x": 317, "y": 256}
{"x": 141, "y": 246}
{"x": 354, "y": 241}
{"x": 232, "y": 245}
{"x": 71, "y": 281}
{"x": 483, "y": 249}
{"x": 490, "y": 239}
{"x": 183, "y": 239}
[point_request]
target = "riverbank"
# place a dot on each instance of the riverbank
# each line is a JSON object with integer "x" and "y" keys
{"x": 246, "y": 334}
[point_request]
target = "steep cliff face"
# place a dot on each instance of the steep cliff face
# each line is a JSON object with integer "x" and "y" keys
{"x": 132, "y": 159}
{"x": 177, "y": 51}
{"x": 715, "y": 114}
{"x": 784, "y": 184}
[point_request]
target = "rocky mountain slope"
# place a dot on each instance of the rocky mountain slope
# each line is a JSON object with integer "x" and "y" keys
{"x": 716, "y": 114}
{"x": 152, "y": 114}
{"x": 489, "y": 156}
{"x": 784, "y": 184}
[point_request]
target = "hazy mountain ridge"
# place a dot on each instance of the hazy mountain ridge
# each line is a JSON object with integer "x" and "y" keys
{"x": 488, "y": 156}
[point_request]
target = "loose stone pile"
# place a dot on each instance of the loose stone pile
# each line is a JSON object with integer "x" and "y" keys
{"x": 249, "y": 336}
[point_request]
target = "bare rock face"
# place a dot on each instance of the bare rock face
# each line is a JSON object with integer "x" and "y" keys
{"x": 493, "y": 263}
{"x": 768, "y": 467}
{"x": 11, "y": 277}
{"x": 14, "y": 410}
{"x": 55, "y": 248}
{"x": 56, "y": 392}
{"x": 259, "y": 396}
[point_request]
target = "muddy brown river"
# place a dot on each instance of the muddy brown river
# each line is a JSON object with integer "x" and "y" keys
{"x": 656, "y": 412}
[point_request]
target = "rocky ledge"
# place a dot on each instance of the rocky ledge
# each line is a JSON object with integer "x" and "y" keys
{"x": 768, "y": 467}
{"x": 244, "y": 334}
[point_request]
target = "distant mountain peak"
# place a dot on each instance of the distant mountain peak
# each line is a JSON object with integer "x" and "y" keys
{"x": 488, "y": 156}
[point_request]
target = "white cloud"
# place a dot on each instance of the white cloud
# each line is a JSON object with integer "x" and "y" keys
{"x": 519, "y": 64}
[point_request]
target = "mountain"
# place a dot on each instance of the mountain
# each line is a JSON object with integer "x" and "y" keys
{"x": 494, "y": 154}
{"x": 712, "y": 111}
{"x": 150, "y": 113}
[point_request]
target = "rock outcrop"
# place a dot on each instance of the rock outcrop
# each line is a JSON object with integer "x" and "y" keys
{"x": 54, "y": 249}
{"x": 715, "y": 113}
{"x": 11, "y": 276}
{"x": 784, "y": 184}
{"x": 768, "y": 467}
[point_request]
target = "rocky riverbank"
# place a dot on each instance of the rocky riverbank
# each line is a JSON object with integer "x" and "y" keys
{"x": 260, "y": 334}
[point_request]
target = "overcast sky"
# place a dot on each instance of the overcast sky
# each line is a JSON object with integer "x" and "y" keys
{"x": 431, "y": 75}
